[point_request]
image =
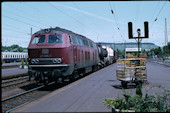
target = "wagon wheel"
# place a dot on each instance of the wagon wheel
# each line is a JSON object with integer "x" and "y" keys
{"x": 95, "y": 68}
{"x": 139, "y": 83}
{"x": 74, "y": 76}
{"x": 124, "y": 84}
{"x": 45, "y": 82}
{"x": 59, "y": 82}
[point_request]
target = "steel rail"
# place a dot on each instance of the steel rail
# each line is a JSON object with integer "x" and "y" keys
{"x": 14, "y": 96}
{"x": 8, "y": 85}
{"x": 14, "y": 79}
{"x": 11, "y": 97}
{"x": 11, "y": 66}
{"x": 13, "y": 76}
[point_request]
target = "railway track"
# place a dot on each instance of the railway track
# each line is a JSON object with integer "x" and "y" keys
{"x": 15, "y": 101}
{"x": 15, "y": 82}
{"x": 11, "y": 66}
{"x": 18, "y": 100}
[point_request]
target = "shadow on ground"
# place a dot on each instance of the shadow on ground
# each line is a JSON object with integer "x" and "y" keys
{"x": 129, "y": 86}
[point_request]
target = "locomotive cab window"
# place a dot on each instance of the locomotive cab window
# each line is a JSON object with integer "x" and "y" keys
{"x": 38, "y": 39}
{"x": 91, "y": 45}
{"x": 55, "y": 39}
{"x": 80, "y": 41}
{"x": 75, "y": 40}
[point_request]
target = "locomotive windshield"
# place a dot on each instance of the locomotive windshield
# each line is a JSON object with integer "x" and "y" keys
{"x": 38, "y": 39}
{"x": 55, "y": 39}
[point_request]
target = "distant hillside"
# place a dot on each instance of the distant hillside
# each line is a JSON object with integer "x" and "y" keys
{"x": 121, "y": 46}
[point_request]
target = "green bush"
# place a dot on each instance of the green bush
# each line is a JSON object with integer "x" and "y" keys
{"x": 137, "y": 103}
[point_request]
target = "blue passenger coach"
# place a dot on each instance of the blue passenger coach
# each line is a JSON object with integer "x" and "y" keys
{"x": 13, "y": 56}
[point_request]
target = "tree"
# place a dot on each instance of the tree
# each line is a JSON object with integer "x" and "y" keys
{"x": 166, "y": 49}
{"x": 20, "y": 49}
{"x": 157, "y": 51}
{"x": 13, "y": 48}
{"x": 121, "y": 53}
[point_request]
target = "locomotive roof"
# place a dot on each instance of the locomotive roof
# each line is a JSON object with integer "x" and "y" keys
{"x": 59, "y": 30}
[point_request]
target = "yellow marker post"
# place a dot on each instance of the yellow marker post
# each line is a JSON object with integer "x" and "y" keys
{"x": 22, "y": 63}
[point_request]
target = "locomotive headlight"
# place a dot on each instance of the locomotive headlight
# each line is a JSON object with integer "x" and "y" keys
{"x": 59, "y": 60}
{"x": 54, "y": 61}
{"x": 36, "y": 61}
{"x": 32, "y": 61}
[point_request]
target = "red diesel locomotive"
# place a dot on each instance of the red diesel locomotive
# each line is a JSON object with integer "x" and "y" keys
{"x": 56, "y": 54}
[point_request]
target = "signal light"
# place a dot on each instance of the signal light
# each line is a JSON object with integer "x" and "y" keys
{"x": 130, "y": 30}
{"x": 146, "y": 29}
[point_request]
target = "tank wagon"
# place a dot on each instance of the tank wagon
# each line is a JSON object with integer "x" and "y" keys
{"x": 56, "y": 54}
{"x": 107, "y": 55}
{"x": 102, "y": 56}
{"x": 116, "y": 55}
{"x": 110, "y": 55}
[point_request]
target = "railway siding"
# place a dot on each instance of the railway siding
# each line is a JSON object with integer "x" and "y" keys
{"x": 13, "y": 76}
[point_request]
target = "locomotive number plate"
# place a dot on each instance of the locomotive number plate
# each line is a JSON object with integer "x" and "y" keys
{"x": 45, "y": 51}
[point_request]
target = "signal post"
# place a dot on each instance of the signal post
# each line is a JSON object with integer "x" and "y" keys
{"x": 139, "y": 38}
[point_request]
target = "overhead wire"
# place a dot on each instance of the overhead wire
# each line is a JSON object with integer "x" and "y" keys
{"x": 114, "y": 15}
{"x": 44, "y": 14}
{"x": 27, "y": 18}
{"x": 79, "y": 9}
{"x": 85, "y": 16}
{"x": 39, "y": 11}
{"x": 155, "y": 10}
{"x": 116, "y": 21}
{"x": 20, "y": 21}
{"x": 9, "y": 25}
{"x": 14, "y": 19}
{"x": 157, "y": 15}
{"x": 50, "y": 17}
{"x": 16, "y": 37}
{"x": 14, "y": 30}
{"x": 161, "y": 8}
{"x": 70, "y": 16}
{"x": 11, "y": 6}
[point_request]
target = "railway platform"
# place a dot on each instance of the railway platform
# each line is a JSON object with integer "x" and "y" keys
{"x": 12, "y": 71}
{"x": 87, "y": 94}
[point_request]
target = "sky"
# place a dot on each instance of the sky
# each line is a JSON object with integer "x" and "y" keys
{"x": 92, "y": 19}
